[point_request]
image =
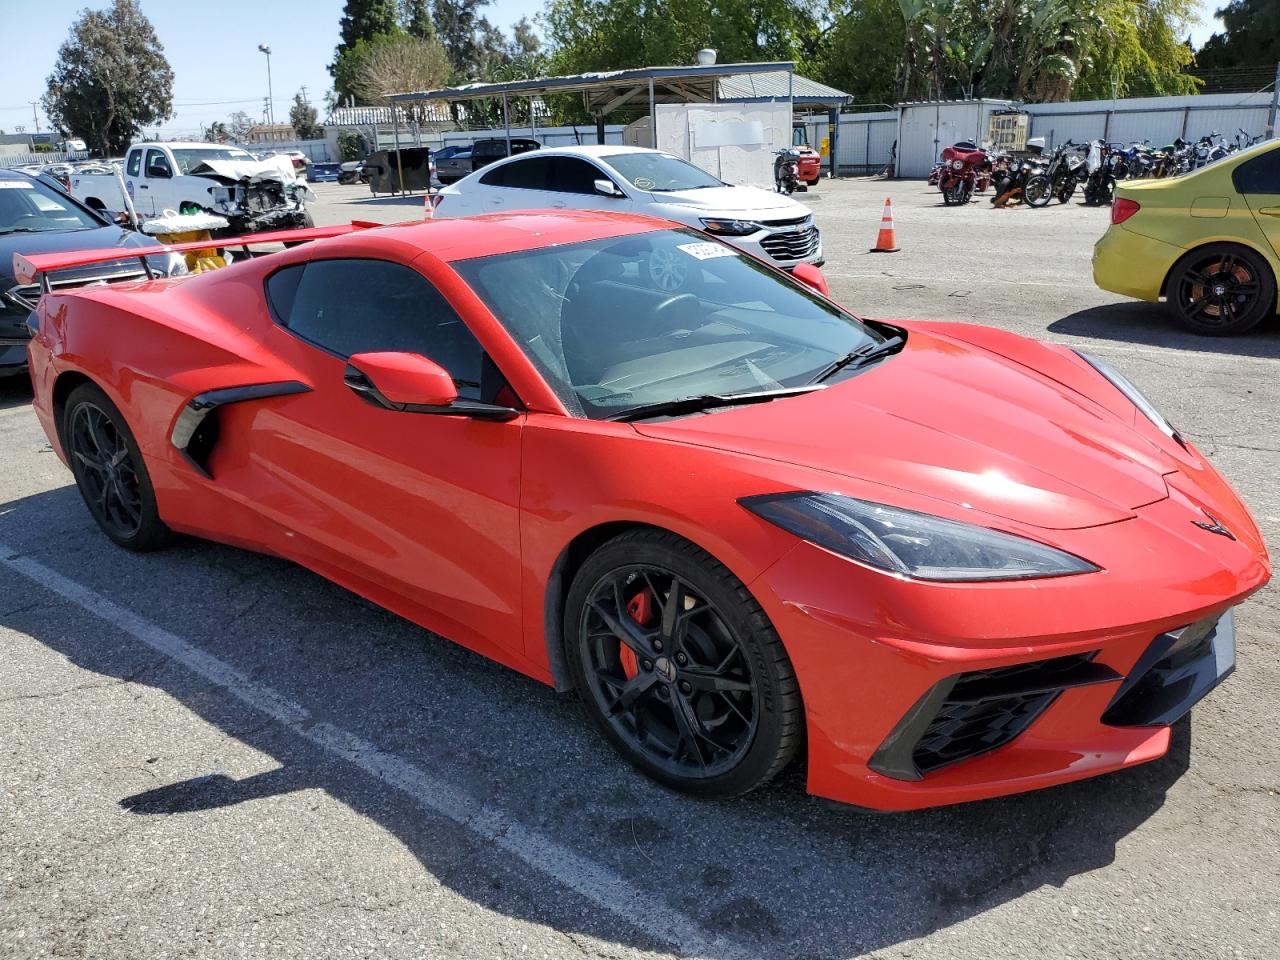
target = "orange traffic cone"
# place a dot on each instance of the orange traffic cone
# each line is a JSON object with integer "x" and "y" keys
{"x": 887, "y": 241}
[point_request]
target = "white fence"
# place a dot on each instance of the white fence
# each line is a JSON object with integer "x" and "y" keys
{"x": 1158, "y": 120}
{"x": 22, "y": 159}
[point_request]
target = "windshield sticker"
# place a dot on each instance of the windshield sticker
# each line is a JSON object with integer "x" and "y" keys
{"x": 643, "y": 183}
{"x": 16, "y": 185}
{"x": 707, "y": 251}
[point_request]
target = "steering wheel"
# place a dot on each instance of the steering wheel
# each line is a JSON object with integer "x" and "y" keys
{"x": 673, "y": 302}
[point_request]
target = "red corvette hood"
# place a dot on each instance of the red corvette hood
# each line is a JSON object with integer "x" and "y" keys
{"x": 958, "y": 423}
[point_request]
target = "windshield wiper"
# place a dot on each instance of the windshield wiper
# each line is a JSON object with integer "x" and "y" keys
{"x": 21, "y": 230}
{"x": 866, "y": 354}
{"x": 709, "y": 401}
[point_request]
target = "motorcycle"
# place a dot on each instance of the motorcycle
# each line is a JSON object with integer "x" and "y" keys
{"x": 786, "y": 170}
{"x": 966, "y": 168}
{"x": 1020, "y": 180}
{"x": 1062, "y": 176}
{"x": 1103, "y": 165}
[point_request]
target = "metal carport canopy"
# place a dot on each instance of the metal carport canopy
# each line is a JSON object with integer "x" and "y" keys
{"x": 605, "y": 91}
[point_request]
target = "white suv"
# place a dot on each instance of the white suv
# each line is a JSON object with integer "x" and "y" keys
{"x": 636, "y": 180}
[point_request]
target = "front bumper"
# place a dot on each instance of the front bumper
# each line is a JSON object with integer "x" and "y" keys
{"x": 919, "y": 695}
{"x": 786, "y": 247}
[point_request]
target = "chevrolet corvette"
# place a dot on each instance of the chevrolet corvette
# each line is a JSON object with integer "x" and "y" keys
{"x": 942, "y": 561}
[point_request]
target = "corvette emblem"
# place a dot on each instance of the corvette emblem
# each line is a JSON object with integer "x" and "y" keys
{"x": 1214, "y": 526}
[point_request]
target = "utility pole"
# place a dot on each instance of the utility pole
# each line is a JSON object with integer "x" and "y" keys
{"x": 271, "y": 113}
{"x": 305, "y": 99}
{"x": 35, "y": 116}
{"x": 1275, "y": 104}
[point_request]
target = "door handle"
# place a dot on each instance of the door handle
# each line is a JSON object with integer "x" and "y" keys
{"x": 143, "y": 186}
{"x": 1270, "y": 211}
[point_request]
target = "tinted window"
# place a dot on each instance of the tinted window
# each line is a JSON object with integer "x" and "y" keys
{"x": 158, "y": 164}
{"x": 28, "y": 206}
{"x": 571, "y": 175}
{"x": 135, "y": 163}
{"x": 364, "y": 306}
{"x": 530, "y": 174}
{"x": 612, "y": 324}
{"x": 1259, "y": 175}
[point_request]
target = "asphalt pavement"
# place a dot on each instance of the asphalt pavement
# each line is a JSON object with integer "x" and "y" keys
{"x": 210, "y": 753}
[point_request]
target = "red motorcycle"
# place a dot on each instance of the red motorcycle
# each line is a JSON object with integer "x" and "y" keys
{"x": 966, "y": 169}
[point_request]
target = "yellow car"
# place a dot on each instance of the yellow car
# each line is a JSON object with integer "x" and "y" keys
{"x": 1208, "y": 242}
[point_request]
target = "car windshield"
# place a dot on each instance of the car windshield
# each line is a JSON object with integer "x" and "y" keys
{"x": 28, "y": 206}
{"x": 660, "y": 172}
{"x": 627, "y": 322}
{"x": 188, "y": 160}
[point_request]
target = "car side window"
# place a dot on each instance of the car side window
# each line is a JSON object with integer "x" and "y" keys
{"x": 572, "y": 175}
{"x": 1259, "y": 175}
{"x": 496, "y": 176}
{"x": 135, "y": 163}
{"x": 530, "y": 174}
{"x": 158, "y": 164}
{"x": 366, "y": 306}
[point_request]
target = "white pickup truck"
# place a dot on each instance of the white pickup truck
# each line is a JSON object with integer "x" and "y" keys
{"x": 251, "y": 194}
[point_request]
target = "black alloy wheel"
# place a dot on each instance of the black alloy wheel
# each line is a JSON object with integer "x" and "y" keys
{"x": 1221, "y": 290}
{"x": 109, "y": 471}
{"x": 679, "y": 667}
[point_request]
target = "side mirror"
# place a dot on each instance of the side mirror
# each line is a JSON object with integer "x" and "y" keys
{"x": 608, "y": 188}
{"x": 158, "y": 173}
{"x": 410, "y": 383}
{"x": 811, "y": 277}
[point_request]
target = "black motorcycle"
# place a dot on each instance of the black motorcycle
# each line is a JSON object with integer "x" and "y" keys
{"x": 1062, "y": 174}
{"x": 1019, "y": 180}
{"x": 786, "y": 170}
{"x": 1105, "y": 166}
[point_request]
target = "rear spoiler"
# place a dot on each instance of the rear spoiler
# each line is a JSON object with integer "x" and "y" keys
{"x": 27, "y": 267}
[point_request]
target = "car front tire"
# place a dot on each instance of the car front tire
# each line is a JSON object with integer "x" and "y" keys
{"x": 679, "y": 667}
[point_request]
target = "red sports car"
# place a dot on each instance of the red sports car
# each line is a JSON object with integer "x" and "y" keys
{"x": 943, "y": 561}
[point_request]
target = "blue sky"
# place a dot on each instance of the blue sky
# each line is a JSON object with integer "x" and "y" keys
{"x": 213, "y": 48}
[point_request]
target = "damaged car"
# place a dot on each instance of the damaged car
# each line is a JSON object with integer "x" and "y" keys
{"x": 251, "y": 194}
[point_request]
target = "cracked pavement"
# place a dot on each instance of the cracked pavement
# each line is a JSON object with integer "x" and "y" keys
{"x": 147, "y": 810}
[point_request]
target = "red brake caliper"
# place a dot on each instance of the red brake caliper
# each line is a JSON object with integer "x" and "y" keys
{"x": 640, "y": 609}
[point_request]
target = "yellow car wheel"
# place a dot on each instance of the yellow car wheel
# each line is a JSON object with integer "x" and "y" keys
{"x": 1221, "y": 289}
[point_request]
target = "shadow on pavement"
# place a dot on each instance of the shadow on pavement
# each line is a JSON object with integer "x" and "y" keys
{"x": 394, "y": 200}
{"x": 15, "y": 391}
{"x": 1154, "y": 324}
{"x": 778, "y": 871}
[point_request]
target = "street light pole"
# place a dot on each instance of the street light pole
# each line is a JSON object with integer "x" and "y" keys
{"x": 271, "y": 106}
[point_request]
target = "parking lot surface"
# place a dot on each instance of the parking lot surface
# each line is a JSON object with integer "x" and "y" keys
{"x": 210, "y": 753}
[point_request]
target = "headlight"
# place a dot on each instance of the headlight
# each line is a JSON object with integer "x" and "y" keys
{"x": 957, "y": 164}
{"x": 730, "y": 228}
{"x": 1135, "y": 396}
{"x": 912, "y": 544}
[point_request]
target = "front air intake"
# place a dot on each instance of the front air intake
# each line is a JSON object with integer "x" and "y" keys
{"x": 972, "y": 713}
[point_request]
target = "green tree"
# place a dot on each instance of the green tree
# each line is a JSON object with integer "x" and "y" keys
{"x": 1138, "y": 52}
{"x": 416, "y": 18}
{"x": 861, "y": 51}
{"x": 361, "y": 20}
{"x": 1251, "y": 38}
{"x": 614, "y": 34}
{"x": 111, "y": 78}
{"x": 304, "y": 119}
{"x": 524, "y": 42}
